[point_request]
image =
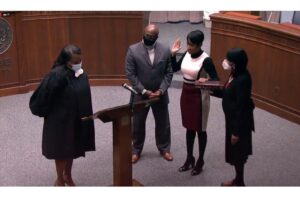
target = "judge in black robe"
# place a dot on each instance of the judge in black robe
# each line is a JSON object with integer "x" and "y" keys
{"x": 65, "y": 135}
{"x": 238, "y": 109}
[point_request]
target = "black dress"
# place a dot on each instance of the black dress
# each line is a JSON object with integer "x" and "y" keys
{"x": 238, "y": 109}
{"x": 65, "y": 136}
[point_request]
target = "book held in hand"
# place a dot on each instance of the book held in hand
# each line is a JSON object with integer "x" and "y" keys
{"x": 209, "y": 85}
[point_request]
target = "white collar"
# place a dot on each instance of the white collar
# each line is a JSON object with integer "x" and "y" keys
{"x": 78, "y": 72}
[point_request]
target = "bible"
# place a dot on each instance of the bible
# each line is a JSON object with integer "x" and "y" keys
{"x": 209, "y": 85}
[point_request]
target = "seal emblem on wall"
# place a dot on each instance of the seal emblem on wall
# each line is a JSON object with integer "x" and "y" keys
{"x": 6, "y": 35}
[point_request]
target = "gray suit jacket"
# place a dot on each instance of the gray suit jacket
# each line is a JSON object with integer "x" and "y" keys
{"x": 143, "y": 75}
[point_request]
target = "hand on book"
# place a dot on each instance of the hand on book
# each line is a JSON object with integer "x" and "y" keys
{"x": 206, "y": 84}
{"x": 202, "y": 80}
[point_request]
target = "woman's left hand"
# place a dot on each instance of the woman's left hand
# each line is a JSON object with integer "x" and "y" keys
{"x": 234, "y": 139}
{"x": 202, "y": 80}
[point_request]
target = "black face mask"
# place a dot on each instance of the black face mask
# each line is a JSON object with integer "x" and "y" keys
{"x": 149, "y": 41}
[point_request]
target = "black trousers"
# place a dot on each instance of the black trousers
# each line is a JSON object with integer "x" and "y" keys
{"x": 162, "y": 128}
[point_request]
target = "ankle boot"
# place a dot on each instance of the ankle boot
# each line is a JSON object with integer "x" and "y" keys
{"x": 188, "y": 164}
{"x": 198, "y": 168}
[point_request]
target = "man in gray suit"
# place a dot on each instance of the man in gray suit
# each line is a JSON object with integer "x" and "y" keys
{"x": 148, "y": 68}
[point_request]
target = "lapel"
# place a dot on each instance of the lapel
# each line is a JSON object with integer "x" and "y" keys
{"x": 157, "y": 54}
{"x": 144, "y": 53}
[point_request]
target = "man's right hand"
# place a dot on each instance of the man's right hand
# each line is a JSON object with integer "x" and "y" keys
{"x": 148, "y": 93}
{"x": 151, "y": 94}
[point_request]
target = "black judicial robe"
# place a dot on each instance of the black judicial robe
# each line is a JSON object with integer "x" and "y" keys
{"x": 238, "y": 109}
{"x": 65, "y": 136}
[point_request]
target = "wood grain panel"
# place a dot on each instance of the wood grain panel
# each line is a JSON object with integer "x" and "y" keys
{"x": 42, "y": 39}
{"x": 274, "y": 57}
{"x": 9, "y": 71}
{"x": 103, "y": 36}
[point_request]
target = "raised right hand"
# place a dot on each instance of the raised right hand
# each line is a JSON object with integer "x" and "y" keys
{"x": 176, "y": 46}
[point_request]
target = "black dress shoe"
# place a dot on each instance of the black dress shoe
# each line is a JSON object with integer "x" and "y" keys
{"x": 198, "y": 168}
{"x": 188, "y": 164}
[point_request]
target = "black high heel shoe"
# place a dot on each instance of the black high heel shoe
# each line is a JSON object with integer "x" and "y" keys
{"x": 198, "y": 168}
{"x": 188, "y": 164}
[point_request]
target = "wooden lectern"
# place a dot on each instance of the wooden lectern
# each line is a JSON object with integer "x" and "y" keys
{"x": 122, "y": 134}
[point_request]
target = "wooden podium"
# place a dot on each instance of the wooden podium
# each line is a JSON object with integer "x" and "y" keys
{"x": 122, "y": 134}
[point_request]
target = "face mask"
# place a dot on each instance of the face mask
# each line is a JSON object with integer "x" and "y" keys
{"x": 76, "y": 67}
{"x": 226, "y": 65}
{"x": 149, "y": 41}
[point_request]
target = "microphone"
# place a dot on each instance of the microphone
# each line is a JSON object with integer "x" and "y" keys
{"x": 129, "y": 88}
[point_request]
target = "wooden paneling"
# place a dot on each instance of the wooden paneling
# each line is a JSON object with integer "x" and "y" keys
{"x": 274, "y": 57}
{"x": 9, "y": 71}
{"x": 42, "y": 39}
{"x": 245, "y": 14}
{"x": 104, "y": 38}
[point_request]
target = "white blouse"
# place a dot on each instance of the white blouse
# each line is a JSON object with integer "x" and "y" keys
{"x": 190, "y": 67}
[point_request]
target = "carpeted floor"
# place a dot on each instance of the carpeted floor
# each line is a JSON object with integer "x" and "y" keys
{"x": 275, "y": 145}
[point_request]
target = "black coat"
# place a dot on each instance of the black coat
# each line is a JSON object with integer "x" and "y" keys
{"x": 238, "y": 109}
{"x": 65, "y": 136}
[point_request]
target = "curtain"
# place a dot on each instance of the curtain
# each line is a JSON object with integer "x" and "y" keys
{"x": 176, "y": 16}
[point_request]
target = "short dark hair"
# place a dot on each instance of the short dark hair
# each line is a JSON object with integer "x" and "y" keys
{"x": 65, "y": 55}
{"x": 196, "y": 37}
{"x": 239, "y": 57}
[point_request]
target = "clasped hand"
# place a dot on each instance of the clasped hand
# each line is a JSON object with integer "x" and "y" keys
{"x": 152, "y": 95}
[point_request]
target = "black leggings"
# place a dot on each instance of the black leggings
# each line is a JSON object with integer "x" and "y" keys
{"x": 190, "y": 139}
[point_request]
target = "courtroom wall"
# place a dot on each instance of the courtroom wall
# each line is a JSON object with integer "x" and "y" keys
{"x": 274, "y": 58}
{"x": 39, "y": 36}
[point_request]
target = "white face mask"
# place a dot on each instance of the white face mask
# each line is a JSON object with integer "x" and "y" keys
{"x": 76, "y": 67}
{"x": 226, "y": 65}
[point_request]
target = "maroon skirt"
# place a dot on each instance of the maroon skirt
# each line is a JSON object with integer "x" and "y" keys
{"x": 191, "y": 107}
